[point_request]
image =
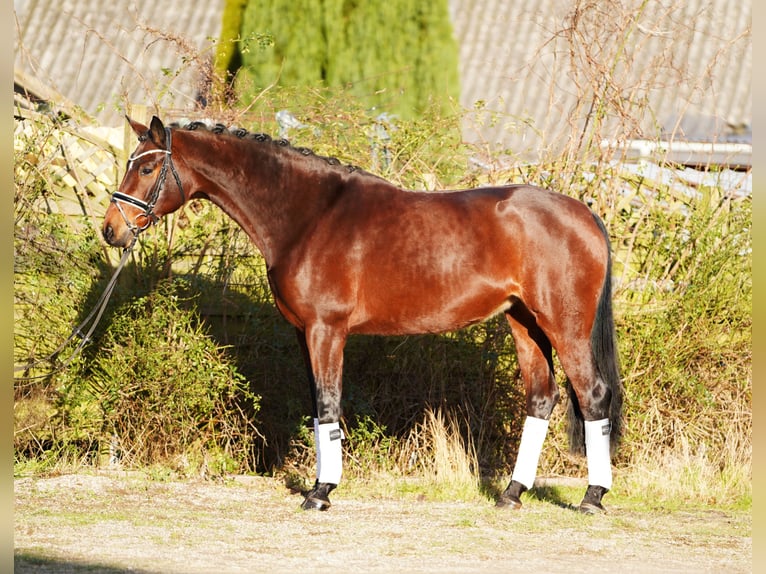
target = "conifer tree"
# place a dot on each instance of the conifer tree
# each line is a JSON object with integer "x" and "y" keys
{"x": 397, "y": 56}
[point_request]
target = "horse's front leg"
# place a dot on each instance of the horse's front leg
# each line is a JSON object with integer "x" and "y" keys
{"x": 323, "y": 350}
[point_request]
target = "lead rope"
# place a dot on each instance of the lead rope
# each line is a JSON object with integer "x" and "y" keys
{"x": 98, "y": 310}
{"x": 95, "y": 315}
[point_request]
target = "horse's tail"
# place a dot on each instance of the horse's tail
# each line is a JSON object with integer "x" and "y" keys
{"x": 606, "y": 359}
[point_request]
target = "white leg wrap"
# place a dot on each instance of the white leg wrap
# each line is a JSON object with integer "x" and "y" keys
{"x": 597, "y": 452}
{"x": 531, "y": 446}
{"x": 328, "y": 439}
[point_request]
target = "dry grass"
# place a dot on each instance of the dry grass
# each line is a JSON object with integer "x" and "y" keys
{"x": 439, "y": 452}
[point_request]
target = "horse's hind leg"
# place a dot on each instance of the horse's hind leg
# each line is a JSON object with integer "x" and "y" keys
{"x": 533, "y": 351}
{"x": 593, "y": 398}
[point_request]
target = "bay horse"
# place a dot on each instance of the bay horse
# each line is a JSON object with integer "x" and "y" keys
{"x": 348, "y": 252}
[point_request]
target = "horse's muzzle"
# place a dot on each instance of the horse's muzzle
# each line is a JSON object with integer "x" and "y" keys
{"x": 117, "y": 238}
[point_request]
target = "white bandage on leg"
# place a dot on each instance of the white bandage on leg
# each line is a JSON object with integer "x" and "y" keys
{"x": 328, "y": 439}
{"x": 532, "y": 438}
{"x": 597, "y": 434}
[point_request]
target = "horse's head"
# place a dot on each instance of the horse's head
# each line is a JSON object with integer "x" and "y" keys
{"x": 146, "y": 193}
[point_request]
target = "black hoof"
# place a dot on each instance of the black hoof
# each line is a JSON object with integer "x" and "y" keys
{"x": 591, "y": 508}
{"x": 511, "y": 497}
{"x": 591, "y": 502}
{"x": 318, "y": 497}
{"x": 315, "y": 503}
{"x": 506, "y": 501}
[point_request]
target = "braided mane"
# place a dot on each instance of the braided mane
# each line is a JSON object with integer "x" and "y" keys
{"x": 242, "y": 133}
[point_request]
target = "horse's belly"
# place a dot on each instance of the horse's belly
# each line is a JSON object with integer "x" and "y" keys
{"x": 423, "y": 313}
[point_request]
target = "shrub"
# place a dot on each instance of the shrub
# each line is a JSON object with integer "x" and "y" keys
{"x": 163, "y": 387}
{"x": 396, "y": 57}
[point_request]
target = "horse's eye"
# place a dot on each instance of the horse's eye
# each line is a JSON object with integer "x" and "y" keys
{"x": 146, "y": 170}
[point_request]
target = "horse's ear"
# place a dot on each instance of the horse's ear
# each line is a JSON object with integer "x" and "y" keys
{"x": 137, "y": 127}
{"x": 157, "y": 132}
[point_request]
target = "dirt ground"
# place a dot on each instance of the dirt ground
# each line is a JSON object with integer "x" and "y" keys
{"x": 120, "y": 523}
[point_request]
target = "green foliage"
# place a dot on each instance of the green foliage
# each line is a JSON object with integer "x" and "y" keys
{"x": 369, "y": 449}
{"x": 53, "y": 263}
{"x": 53, "y": 273}
{"x": 686, "y": 329}
{"x": 397, "y": 56}
{"x": 152, "y": 387}
{"x": 162, "y": 386}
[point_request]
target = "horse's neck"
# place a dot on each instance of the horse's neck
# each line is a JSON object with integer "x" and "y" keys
{"x": 251, "y": 184}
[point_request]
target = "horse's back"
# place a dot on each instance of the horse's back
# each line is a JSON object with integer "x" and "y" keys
{"x": 471, "y": 229}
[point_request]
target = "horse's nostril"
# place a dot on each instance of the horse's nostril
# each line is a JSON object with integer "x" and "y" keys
{"x": 108, "y": 233}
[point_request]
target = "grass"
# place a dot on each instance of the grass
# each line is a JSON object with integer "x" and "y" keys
{"x": 689, "y": 479}
{"x": 446, "y": 469}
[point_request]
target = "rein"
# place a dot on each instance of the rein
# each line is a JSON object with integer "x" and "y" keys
{"x": 97, "y": 312}
{"x": 148, "y": 212}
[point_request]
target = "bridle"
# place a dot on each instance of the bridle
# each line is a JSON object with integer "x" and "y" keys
{"x": 118, "y": 198}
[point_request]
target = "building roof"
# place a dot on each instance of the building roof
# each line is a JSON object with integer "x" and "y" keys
{"x": 102, "y": 55}
{"x": 515, "y": 65}
{"x": 516, "y": 61}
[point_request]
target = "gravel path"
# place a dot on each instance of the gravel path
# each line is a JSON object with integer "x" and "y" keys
{"x": 109, "y": 524}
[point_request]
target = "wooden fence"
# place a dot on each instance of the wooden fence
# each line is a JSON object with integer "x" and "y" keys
{"x": 80, "y": 161}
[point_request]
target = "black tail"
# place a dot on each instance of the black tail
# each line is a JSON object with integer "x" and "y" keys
{"x": 605, "y": 355}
